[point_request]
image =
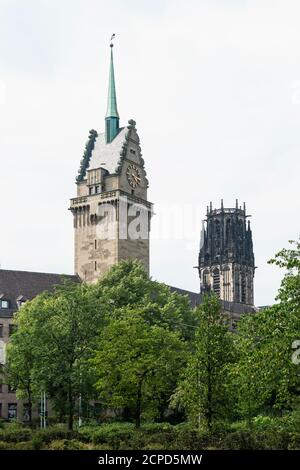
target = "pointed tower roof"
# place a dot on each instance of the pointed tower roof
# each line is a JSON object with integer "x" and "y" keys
{"x": 112, "y": 110}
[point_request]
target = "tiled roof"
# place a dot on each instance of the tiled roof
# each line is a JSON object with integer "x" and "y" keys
{"x": 194, "y": 298}
{"x": 230, "y": 307}
{"x": 238, "y": 308}
{"x": 14, "y": 284}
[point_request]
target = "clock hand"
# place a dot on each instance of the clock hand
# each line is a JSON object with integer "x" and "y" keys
{"x": 137, "y": 178}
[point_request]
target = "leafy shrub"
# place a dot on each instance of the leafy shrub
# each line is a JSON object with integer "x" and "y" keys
{"x": 154, "y": 446}
{"x": 111, "y": 434}
{"x": 257, "y": 440}
{"x": 65, "y": 444}
{"x": 150, "y": 428}
{"x": 187, "y": 437}
{"x": 101, "y": 447}
{"x": 4, "y": 445}
{"x": 15, "y": 434}
{"x": 239, "y": 440}
{"x": 37, "y": 442}
{"x": 54, "y": 434}
{"x": 265, "y": 432}
{"x": 28, "y": 445}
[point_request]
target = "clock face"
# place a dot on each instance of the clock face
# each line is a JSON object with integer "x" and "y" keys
{"x": 133, "y": 175}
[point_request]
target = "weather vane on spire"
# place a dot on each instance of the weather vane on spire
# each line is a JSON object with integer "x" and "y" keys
{"x": 111, "y": 40}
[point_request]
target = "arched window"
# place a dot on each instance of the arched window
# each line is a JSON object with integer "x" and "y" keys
{"x": 205, "y": 277}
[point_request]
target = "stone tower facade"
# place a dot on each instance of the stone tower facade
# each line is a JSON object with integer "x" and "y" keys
{"x": 226, "y": 259}
{"x": 111, "y": 211}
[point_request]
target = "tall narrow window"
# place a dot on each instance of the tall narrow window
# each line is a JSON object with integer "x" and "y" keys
{"x": 12, "y": 411}
{"x": 243, "y": 288}
{"x": 95, "y": 265}
{"x": 26, "y": 412}
{"x": 95, "y": 244}
{"x": 1, "y": 330}
{"x": 217, "y": 234}
{"x": 237, "y": 294}
{"x": 228, "y": 231}
{"x": 216, "y": 281}
{"x": 206, "y": 277}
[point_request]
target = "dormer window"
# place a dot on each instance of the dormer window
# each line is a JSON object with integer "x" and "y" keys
{"x": 132, "y": 151}
{"x": 4, "y": 303}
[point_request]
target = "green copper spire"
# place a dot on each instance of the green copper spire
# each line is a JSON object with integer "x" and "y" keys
{"x": 112, "y": 110}
{"x": 112, "y": 115}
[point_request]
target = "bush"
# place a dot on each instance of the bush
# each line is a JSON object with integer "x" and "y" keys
{"x": 257, "y": 440}
{"x": 190, "y": 438}
{"x": 15, "y": 433}
{"x": 65, "y": 444}
{"x": 16, "y": 445}
{"x": 4, "y": 446}
{"x": 28, "y": 445}
{"x": 154, "y": 446}
{"x": 55, "y": 433}
{"x": 265, "y": 432}
{"x": 111, "y": 434}
{"x": 37, "y": 442}
{"x": 239, "y": 440}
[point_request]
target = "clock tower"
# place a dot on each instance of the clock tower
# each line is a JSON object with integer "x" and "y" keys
{"x": 111, "y": 212}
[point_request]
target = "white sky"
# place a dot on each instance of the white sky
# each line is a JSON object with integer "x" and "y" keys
{"x": 215, "y": 89}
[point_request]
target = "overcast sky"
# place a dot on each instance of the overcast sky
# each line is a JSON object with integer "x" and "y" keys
{"x": 214, "y": 86}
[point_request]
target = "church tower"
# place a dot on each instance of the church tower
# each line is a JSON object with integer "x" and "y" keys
{"x": 226, "y": 259}
{"x": 111, "y": 212}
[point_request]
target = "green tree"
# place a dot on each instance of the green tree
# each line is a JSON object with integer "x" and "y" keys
{"x": 127, "y": 284}
{"x": 251, "y": 381}
{"x": 265, "y": 376}
{"x": 62, "y": 328}
{"x": 58, "y": 332}
{"x": 20, "y": 362}
{"x": 137, "y": 363}
{"x": 203, "y": 389}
